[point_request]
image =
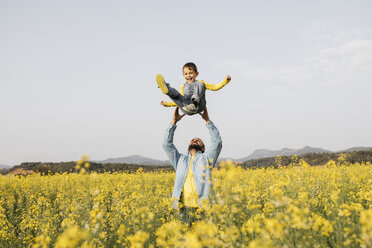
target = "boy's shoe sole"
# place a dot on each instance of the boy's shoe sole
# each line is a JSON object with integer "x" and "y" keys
{"x": 190, "y": 109}
{"x": 161, "y": 83}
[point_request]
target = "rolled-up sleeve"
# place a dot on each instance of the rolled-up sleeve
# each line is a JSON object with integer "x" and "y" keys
{"x": 169, "y": 148}
{"x": 216, "y": 143}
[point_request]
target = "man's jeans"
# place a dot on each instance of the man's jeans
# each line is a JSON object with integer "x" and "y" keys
{"x": 189, "y": 215}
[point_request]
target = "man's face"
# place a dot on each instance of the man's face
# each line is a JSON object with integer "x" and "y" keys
{"x": 197, "y": 144}
{"x": 189, "y": 74}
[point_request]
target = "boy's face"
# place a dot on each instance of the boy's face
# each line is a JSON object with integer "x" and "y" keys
{"x": 189, "y": 74}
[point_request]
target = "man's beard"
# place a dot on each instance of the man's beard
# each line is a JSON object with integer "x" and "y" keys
{"x": 195, "y": 146}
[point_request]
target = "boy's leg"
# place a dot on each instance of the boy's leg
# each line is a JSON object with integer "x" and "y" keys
{"x": 198, "y": 97}
{"x": 179, "y": 99}
{"x": 161, "y": 83}
{"x": 171, "y": 92}
{"x": 184, "y": 104}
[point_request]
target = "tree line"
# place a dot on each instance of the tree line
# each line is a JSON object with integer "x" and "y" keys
{"x": 312, "y": 159}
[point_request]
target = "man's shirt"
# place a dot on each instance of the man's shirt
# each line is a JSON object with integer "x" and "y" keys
{"x": 190, "y": 196}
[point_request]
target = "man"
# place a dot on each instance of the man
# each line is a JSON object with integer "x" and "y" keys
{"x": 193, "y": 182}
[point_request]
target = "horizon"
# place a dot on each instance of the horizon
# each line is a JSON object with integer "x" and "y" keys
{"x": 79, "y": 77}
{"x": 226, "y": 157}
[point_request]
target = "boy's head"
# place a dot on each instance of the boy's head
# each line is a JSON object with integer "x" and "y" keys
{"x": 190, "y": 72}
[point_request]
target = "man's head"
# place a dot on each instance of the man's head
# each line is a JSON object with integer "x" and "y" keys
{"x": 190, "y": 72}
{"x": 196, "y": 144}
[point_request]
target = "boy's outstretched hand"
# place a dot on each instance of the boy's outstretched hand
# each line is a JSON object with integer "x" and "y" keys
{"x": 228, "y": 77}
{"x": 205, "y": 115}
{"x": 164, "y": 103}
{"x": 176, "y": 116}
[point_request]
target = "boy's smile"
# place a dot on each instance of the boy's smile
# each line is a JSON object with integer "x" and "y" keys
{"x": 189, "y": 74}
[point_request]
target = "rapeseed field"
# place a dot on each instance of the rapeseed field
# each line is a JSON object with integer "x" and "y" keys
{"x": 296, "y": 206}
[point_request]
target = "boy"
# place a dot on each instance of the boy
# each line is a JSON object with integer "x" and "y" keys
{"x": 191, "y": 98}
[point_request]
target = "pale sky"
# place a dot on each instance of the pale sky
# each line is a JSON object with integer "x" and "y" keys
{"x": 78, "y": 77}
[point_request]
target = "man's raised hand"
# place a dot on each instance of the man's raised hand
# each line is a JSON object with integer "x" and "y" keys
{"x": 176, "y": 116}
{"x": 205, "y": 115}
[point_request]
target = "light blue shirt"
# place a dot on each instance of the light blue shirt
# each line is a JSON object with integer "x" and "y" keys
{"x": 201, "y": 167}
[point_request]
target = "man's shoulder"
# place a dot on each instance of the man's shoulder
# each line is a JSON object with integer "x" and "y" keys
{"x": 205, "y": 157}
{"x": 182, "y": 159}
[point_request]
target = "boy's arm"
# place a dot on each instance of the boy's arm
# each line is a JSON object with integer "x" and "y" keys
{"x": 172, "y": 104}
{"x": 168, "y": 104}
{"x": 215, "y": 87}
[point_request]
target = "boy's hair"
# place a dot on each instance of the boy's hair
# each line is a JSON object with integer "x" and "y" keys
{"x": 190, "y": 65}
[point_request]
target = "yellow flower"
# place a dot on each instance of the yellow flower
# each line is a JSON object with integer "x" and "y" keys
{"x": 274, "y": 227}
{"x": 72, "y": 237}
{"x": 169, "y": 235}
{"x": 203, "y": 235}
{"x": 42, "y": 241}
{"x": 366, "y": 222}
{"x": 139, "y": 239}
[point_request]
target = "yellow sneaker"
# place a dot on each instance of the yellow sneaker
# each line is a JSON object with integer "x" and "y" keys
{"x": 161, "y": 84}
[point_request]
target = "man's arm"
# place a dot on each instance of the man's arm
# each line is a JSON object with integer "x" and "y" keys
{"x": 216, "y": 142}
{"x": 168, "y": 145}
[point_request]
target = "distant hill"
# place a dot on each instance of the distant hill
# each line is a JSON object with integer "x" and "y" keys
{"x": 225, "y": 158}
{"x": 265, "y": 153}
{"x": 260, "y": 154}
{"x": 358, "y": 156}
{"x": 70, "y": 167}
{"x": 133, "y": 163}
{"x": 355, "y": 149}
{"x": 5, "y": 166}
{"x": 257, "y": 154}
{"x": 134, "y": 159}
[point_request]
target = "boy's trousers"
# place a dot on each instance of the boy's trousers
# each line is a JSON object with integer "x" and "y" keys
{"x": 194, "y": 91}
